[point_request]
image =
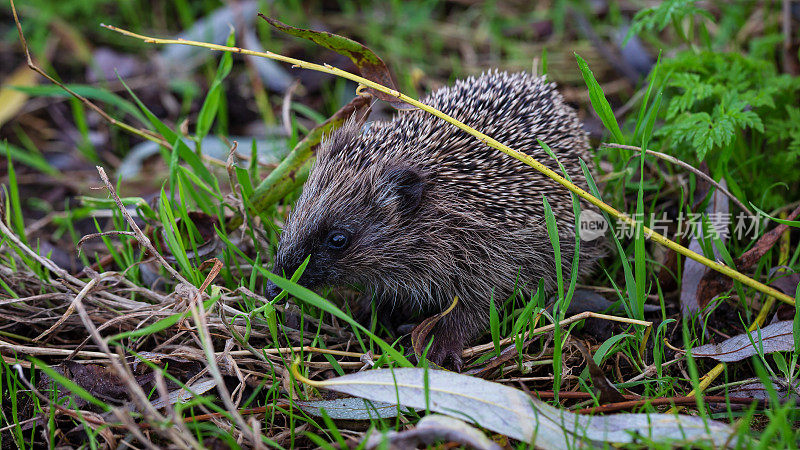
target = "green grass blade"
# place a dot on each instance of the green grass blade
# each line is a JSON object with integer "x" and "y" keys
{"x": 205, "y": 118}
{"x": 599, "y": 102}
{"x": 313, "y": 299}
{"x": 30, "y": 159}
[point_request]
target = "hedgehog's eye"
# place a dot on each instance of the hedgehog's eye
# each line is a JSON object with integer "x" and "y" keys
{"x": 337, "y": 240}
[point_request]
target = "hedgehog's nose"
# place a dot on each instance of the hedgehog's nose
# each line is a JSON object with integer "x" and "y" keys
{"x": 272, "y": 290}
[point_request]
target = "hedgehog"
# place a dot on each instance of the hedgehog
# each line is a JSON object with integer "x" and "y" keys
{"x": 417, "y": 212}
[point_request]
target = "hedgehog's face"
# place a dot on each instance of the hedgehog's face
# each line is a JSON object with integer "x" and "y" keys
{"x": 350, "y": 221}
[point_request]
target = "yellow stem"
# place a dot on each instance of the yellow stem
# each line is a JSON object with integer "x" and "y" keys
{"x": 295, "y": 369}
{"x": 744, "y": 279}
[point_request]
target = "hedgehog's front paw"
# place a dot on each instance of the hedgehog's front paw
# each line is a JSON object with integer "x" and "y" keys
{"x": 363, "y": 315}
{"x": 363, "y": 312}
{"x": 446, "y": 353}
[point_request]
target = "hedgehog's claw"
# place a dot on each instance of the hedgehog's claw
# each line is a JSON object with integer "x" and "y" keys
{"x": 446, "y": 354}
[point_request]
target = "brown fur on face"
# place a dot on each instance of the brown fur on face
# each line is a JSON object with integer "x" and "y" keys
{"x": 428, "y": 212}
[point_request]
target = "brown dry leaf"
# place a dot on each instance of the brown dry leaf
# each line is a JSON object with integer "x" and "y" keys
{"x": 713, "y": 283}
{"x": 777, "y": 337}
{"x": 96, "y": 379}
{"x": 787, "y": 282}
{"x": 419, "y": 335}
{"x": 205, "y": 225}
{"x": 668, "y": 271}
{"x": 99, "y": 425}
{"x": 608, "y": 393}
{"x": 767, "y": 241}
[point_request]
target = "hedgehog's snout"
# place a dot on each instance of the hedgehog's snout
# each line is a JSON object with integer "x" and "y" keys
{"x": 272, "y": 290}
{"x": 286, "y": 265}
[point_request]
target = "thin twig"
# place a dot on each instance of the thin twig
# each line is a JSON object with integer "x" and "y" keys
{"x": 85, "y": 238}
{"x": 686, "y": 400}
{"x": 198, "y": 314}
{"x": 35, "y": 298}
{"x": 126, "y": 376}
{"x": 144, "y": 241}
{"x": 85, "y": 291}
{"x": 46, "y": 263}
{"x": 577, "y": 317}
{"x": 686, "y": 166}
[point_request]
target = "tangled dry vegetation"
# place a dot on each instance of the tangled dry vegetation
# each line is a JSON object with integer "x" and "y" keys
{"x": 134, "y": 316}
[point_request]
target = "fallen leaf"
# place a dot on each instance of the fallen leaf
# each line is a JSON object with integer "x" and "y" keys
{"x": 272, "y": 74}
{"x": 608, "y": 393}
{"x": 419, "y": 335}
{"x": 350, "y": 408}
{"x": 668, "y": 271}
{"x": 513, "y": 413}
{"x": 178, "y": 60}
{"x": 693, "y": 272}
{"x": 108, "y": 64}
{"x": 96, "y": 379}
{"x": 205, "y": 225}
{"x": 430, "y": 429}
{"x": 185, "y": 394}
{"x": 777, "y": 337}
{"x": 668, "y": 274}
{"x": 764, "y": 244}
{"x": 758, "y": 391}
{"x": 91, "y": 419}
{"x": 786, "y": 282}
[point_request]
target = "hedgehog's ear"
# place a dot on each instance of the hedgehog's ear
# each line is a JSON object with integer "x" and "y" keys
{"x": 403, "y": 187}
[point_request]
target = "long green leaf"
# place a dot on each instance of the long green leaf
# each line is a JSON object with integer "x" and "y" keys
{"x": 205, "y": 118}
{"x": 30, "y": 159}
{"x": 599, "y": 102}
{"x": 184, "y": 152}
{"x": 89, "y": 92}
